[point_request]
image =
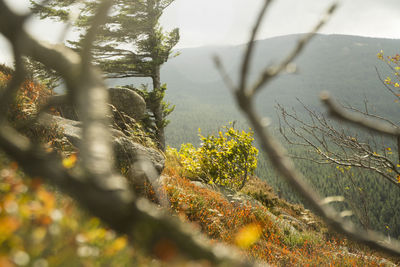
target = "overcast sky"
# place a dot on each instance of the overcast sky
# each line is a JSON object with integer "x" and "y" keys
{"x": 224, "y": 22}
{"x": 205, "y": 22}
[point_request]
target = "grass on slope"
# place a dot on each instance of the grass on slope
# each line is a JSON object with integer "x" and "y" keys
{"x": 256, "y": 230}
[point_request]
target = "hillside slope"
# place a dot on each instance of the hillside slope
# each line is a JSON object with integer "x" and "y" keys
{"x": 262, "y": 225}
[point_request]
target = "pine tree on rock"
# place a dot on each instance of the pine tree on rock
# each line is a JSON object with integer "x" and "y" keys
{"x": 130, "y": 44}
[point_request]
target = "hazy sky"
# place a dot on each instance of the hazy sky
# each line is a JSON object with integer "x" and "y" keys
{"x": 221, "y": 22}
{"x": 205, "y": 22}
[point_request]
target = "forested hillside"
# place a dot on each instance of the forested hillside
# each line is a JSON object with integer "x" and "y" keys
{"x": 343, "y": 65}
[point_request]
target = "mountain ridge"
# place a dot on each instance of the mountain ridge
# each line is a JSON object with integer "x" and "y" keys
{"x": 342, "y": 64}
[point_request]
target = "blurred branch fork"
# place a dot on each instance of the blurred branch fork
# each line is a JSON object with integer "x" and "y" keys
{"x": 94, "y": 185}
{"x": 245, "y": 94}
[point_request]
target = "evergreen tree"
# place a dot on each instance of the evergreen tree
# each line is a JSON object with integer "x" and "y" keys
{"x": 130, "y": 44}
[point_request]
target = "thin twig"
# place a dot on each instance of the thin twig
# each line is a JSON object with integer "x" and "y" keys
{"x": 249, "y": 51}
{"x": 271, "y": 72}
{"x": 338, "y": 111}
{"x": 386, "y": 86}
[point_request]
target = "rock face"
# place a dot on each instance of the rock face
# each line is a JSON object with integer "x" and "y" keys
{"x": 143, "y": 162}
{"x": 124, "y": 100}
{"x": 128, "y": 153}
{"x": 72, "y": 129}
{"x": 128, "y": 101}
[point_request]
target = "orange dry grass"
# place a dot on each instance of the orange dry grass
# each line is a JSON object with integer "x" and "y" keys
{"x": 28, "y": 98}
{"x": 222, "y": 221}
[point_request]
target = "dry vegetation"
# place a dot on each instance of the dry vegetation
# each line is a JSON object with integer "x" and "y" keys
{"x": 259, "y": 227}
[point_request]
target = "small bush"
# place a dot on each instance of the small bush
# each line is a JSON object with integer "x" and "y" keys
{"x": 227, "y": 158}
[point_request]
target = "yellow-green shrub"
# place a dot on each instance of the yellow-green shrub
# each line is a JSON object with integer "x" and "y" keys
{"x": 227, "y": 158}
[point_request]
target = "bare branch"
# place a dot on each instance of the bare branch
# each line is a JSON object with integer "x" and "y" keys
{"x": 368, "y": 114}
{"x": 228, "y": 81}
{"x": 386, "y": 86}
{"x": 326, "y": 140}
{"x": 338, "y": 111}
{"x": 250, "y": 47}
{"x": 271, "y": 72}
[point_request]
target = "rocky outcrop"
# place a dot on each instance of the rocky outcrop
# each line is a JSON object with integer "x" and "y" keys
{"x": 128, "y": 101}
{"x": 128, "y": 152}
{"x": 141, "y": 161}
{"x": 124, "y": 100}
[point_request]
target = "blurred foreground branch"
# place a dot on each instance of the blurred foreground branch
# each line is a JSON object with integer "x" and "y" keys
{"x": 338, "y": 111}
{"x": 93, "y": 183}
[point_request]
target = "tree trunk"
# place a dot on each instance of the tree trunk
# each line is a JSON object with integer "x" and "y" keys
{"x": 245, "y": 174}
{"x": 398, "y": 148}
{"x": 157, "y": 108}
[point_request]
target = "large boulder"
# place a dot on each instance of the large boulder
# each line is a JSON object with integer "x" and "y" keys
{"x": 128, "y": 101}
{"x": 144, "y": 163}
{"x": 124, "y": 100}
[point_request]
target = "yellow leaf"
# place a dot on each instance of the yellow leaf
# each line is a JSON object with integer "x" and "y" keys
{"x": 8, "y": 225}
{"x": 119, "y": 244}
{"x": 248, "y": 235}
{"x": 47, "y": 199}
{"x": 70, "y": 161}
{"x": 39, "y": 234}
{"x": 96, "y": 234}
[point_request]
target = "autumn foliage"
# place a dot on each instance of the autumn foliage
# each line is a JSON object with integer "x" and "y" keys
{"x": 255, "y": 230}
{"x": 29, "y": 98}
{"x": 393, "y": 81}
{"x": 227, "y": 158}
{"x": 41, "y": 227}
